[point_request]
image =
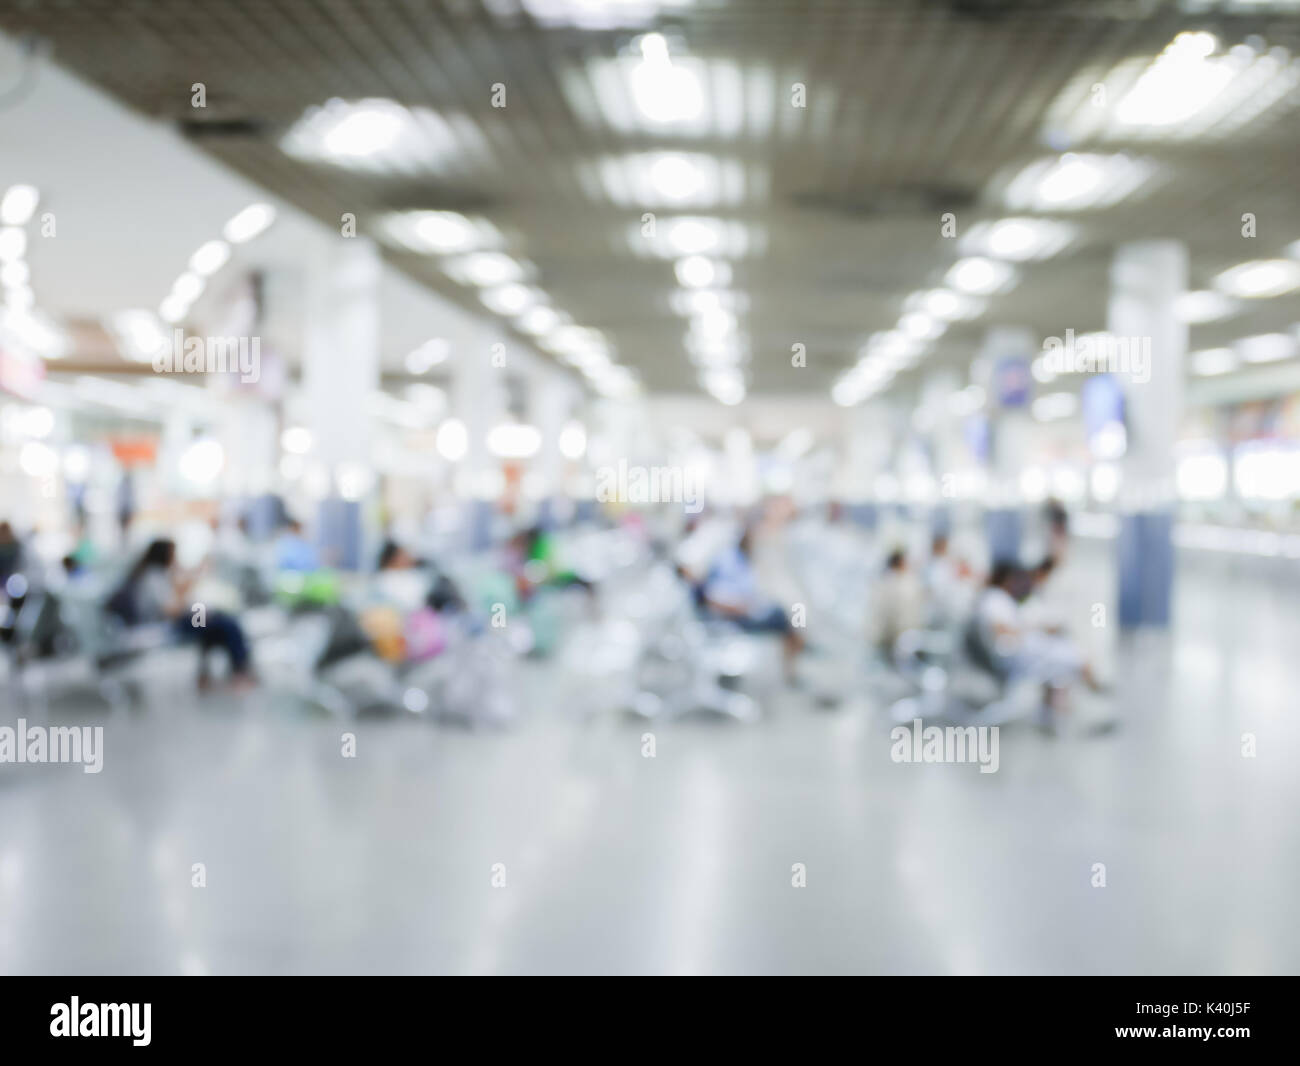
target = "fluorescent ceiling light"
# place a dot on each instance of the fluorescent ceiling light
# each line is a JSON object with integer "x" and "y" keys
{"x": 1213, "y": 361}
{"x": 698, "y": 272}
{"x": 20, "y": 297}
{"x": 188, "y": 287}
{"x": 15, "y": 273}
{"x": 173, "y": 309}
{"x": 1265, "y": 348}
{"x": 702, "y": 301}
{"x": 1260, "y": 278}
{"x": 892, "y": 343}
{"x": 1018, "y": 239}
{"x": 573, "y": 440}
{"x": 19, "y": 204}
{"x": 1074, "y": 182}
{"x": 1182, "y": 81}
{"x": 693, "y": 236}
{"x": 921, "y": 326}
{"x": 514, "y": 440}
{"x": 210, "y": 258}
{"x": 251, "y": 221}
{"x": 945, "y": 304}
{"x": 296, "y": 440}
{"x": 1185, "y": 93}
{"x": 428, "y": 355}
{"x": 714, "y": 323}
{"x": 444, "y": 231}
{"x": 452, "y": 440}
{"x": 341, "y": 131}
{"x": 598, "y": 14}
{"x": 1205, "y": 306}
{"x": 725, "y": 386}
{"x": 139, "y": 334}
{"x": 484, "y": 269}
{"x": 440, "y": 232}
{"x": 664, "y": 91}
{"x": 979, "y": 276}
{"x": 677, "y": 177}
{"x": 511, "y": 299}
{"x": 13, "y": 244}
{"x": 538, "y": 320}
{"x": 381, "y": 136}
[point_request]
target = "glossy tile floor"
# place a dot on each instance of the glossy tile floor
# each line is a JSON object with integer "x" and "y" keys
{"x": 681, "y": 863}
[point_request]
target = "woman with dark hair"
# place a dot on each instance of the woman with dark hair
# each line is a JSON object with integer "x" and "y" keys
{"x": 154, "y": 592}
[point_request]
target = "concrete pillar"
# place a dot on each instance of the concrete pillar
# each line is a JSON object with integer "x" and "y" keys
{"x": 1146, "y": 278}
{"x": 340, "y": 371}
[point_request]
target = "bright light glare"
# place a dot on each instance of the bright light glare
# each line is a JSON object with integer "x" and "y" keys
{"x": 514, "y": 440}
{"x": 1260, "y": 278}
{"x": 676, "y": 177}
{"x": 38, "y": 460}
{"x": 694, "y": 236}
{"x": 427, "y": 356}
{"x": 664, "y": 91}
{"x": 1202, "y": 476}
{"x": 573, "y": 440}
{"x": 486, "y": 268}
{"x": 445, "y": 231}
{"x": 188, "y": 287}
{"x": 296, "y": 440}
{"x": 510, "y": 299}
{"x": 365, "y": 130}
{"x": 452, "y": 440}
{"x": 1213, "y": 361}
{"x": 1180, "y": 83}
{"x": 251, "y": 221}
{"x": 1265, "y": 348}
{"x": 979, "y": 276}
{"x": 13, "y": 244}
{"x": 1205, "y": 306}
{"x": 210, "y": 258}
{"x": 18, "y": 204}
{"x": 698, "y": 272}
{"x": 201, "y": 462}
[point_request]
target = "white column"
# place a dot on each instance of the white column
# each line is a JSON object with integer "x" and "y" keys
{"x": 1146, "y": 279}
{"x": 341, "y": 353}
{"x": 340, "y": 371}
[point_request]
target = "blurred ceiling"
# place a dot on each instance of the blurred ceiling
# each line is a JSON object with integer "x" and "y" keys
{"x": 827, "y": 215}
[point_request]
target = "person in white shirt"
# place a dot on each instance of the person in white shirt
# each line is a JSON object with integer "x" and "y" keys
{"x": 899, "y": 602}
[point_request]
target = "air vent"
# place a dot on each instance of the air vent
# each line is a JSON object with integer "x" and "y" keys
{"x": 901, "y": 200}
{"x": 221, "y": 129}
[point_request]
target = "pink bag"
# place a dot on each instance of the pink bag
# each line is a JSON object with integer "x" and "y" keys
{"x": 425, "y": 635}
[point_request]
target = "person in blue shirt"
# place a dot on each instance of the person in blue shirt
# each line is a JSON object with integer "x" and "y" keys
{"x": 732, "y": 591}
{"x": 294, "y": 552}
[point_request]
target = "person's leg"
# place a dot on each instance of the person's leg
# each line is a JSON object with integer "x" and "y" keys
{"x": 222, "y": 631}
{"x": 230, "y": 636}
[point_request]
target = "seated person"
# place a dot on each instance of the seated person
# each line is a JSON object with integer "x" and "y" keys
{"x": 1001, "y": 641}
{"x": 535, "y": 563}
{"x": 154, "y": 592}
{"x": 731, "y": 591}
{"x": 946, "y": 584}
{"x": 898, "y": 603}
{"x": 398, "y": 580}
{"x": 293, "y": 551}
